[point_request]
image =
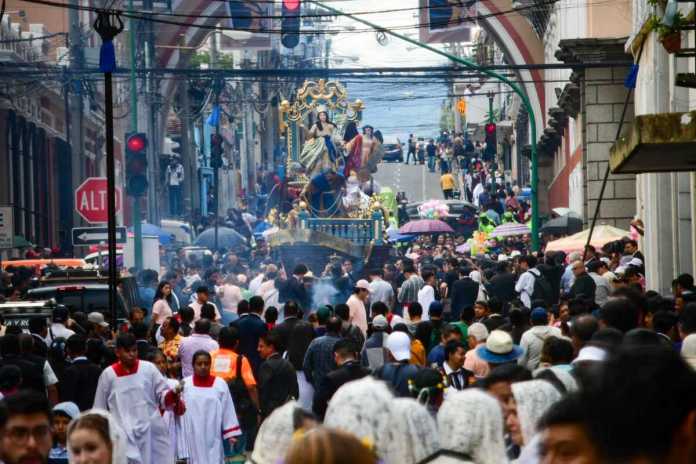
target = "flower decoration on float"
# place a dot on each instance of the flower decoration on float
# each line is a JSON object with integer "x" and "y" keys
{"x": 433, "y": 209}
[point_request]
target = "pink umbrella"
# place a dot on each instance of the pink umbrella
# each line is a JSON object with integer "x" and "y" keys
{"x": 426, "y": 226}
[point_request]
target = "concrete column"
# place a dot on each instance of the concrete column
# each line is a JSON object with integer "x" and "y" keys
{"x": 603, "y": 104}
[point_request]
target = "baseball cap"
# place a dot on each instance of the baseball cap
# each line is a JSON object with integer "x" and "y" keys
{"x": 363, "y": 284}
{"x": 499, "y": 348}
{"x": 399, "y": 345}
{"x": 60, "y": 314}
{"x": 97, "y": 318}
{"x": 68, "y": 408}
{"x": 539, "y": 315}
{"x": 323, "y": 313}
{"x": 380, "y": 322}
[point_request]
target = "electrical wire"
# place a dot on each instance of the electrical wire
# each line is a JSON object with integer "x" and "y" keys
{"x": 144, "y": 17}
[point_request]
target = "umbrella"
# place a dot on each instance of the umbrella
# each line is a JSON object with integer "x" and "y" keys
{"x": 165, "y": 238}
{"x": 425, "y": 226}
{"x": 21, "y": 242}
{"x": 562, "y": 211}
{"x": 567, "y": 224}
{"x": 602, "y": 235}
{"x": 510, "y": 230}
{"x": 393, "y": 235}
{"x": 227, "y": 238}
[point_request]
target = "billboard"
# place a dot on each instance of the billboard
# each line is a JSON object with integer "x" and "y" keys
{"x": 446, "y": 20}
{"x": 251, "y": 21}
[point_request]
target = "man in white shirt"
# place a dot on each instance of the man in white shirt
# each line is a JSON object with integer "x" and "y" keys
{"x": 380, "y": 290}
{"x": 453, "y": 367}
{"x": 201, "y": 299}
{"x": 426, "y": 295}
{"x": 525, "y": 284}
{"x": 603, "y": 287}
{"x": 58, "y": 328}
{"x": 175, "y": 178}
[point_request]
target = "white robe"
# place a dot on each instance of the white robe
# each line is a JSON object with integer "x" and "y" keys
{"x": 210, "y": 418}
{"x": 134, "y": 400}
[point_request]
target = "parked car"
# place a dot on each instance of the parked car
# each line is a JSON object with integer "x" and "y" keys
{"x": 18, "y": 313}
{"x": 183, "y": 232}
{"x": 86, "y": 291}
{"x": 393, "y": 150}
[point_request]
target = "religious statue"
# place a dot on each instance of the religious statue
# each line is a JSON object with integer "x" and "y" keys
{"x": 353, "y": 146}
{"x": 323, "y": 193}
{"x": 319, "y": 151}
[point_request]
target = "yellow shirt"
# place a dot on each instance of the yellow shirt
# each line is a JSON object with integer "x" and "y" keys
{"x": 447, "y": 181}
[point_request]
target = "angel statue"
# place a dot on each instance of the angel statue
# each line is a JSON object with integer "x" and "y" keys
{"x": 319, "y": 152}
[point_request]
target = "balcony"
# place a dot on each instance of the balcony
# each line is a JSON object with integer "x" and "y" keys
{"x": 657, "y": 143}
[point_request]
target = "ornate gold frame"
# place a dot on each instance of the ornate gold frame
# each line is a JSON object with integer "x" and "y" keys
{"x": 311, "y": 96}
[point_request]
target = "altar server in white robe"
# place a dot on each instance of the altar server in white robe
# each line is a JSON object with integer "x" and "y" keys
{"x": 210, "y": 417}
{"x": 133, "y": 391}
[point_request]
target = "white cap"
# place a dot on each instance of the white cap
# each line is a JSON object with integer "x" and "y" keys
{"x": 364, "y": 284}
{"x": 380, "y": 322}
{"x": 688, "y": 350}
{"x": 399, "y": 345}
{"x": 590, "y": 353}
{"x": 478, "y": 331}
{"x": 396, "y": 319}
{"x": 636, "y": 262}
{"x": 515, "y": 253}
{"x": 502, "y": 258}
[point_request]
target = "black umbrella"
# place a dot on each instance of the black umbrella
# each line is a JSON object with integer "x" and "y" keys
{"x": 227, "y": 238}
{"x": 567, "y": 224}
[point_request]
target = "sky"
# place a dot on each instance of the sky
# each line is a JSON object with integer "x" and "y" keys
{"x": 397, "y": 108}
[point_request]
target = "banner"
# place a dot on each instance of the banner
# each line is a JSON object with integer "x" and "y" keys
{"x": 251, "y": 21}
{"x": 446, "y": 20}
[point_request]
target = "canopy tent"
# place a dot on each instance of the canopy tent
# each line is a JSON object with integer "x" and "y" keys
{"x": 602, "y": 235}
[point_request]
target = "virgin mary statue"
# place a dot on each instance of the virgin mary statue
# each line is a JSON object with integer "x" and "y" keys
{"x": 319, "y": 151}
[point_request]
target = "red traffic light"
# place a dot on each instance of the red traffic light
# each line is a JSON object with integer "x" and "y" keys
{"x": 136, "y": 143}
{"x": 291, "y": 5}
{"x": 490, "y": 128}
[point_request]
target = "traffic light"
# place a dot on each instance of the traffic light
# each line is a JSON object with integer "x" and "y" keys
{"x": 290, "y": 24}
{"x": 216, "y": 151}
{"x": 491, "y": 141}
{"x": 136, "y": 164}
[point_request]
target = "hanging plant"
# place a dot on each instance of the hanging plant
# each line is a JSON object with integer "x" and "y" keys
{"x": 669, "y": 35}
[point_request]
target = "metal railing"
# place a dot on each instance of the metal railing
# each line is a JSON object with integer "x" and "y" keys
{"x": 358, "y": 231}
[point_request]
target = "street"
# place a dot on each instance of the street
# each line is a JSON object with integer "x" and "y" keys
{"x": 415, "y": 181}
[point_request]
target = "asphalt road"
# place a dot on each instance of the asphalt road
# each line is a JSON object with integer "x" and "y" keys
{"x": 416, "y": 181}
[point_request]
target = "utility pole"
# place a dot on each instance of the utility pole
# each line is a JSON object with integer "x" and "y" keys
{"x": 137, "y": 223}
{"x": 76, "y": 107}
{"x": 107, "y": 63}
{"x": 216, "y": 169}
{"x": 153, "y": 196}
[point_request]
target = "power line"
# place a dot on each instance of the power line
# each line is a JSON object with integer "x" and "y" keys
{"x": 144, "y": 17}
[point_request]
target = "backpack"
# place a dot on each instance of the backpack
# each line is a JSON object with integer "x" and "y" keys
{"x": 246, "y": 411}
{"x": 542, "y": 288}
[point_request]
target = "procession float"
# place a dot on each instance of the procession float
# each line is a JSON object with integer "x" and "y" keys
{"x": 329, "y": 206}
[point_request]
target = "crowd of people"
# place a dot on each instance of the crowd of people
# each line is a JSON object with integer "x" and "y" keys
{"x": 435, "y": 357}
{"x": 485, "y": 353}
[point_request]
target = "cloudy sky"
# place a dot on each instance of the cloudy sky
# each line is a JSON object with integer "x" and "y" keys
{"x": 398, "y": 108}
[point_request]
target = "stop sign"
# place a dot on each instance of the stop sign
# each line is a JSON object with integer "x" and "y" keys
{"x": 90, "y": 200}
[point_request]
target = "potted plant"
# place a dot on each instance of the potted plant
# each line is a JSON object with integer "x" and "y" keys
{"x": 669, "y": 35}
